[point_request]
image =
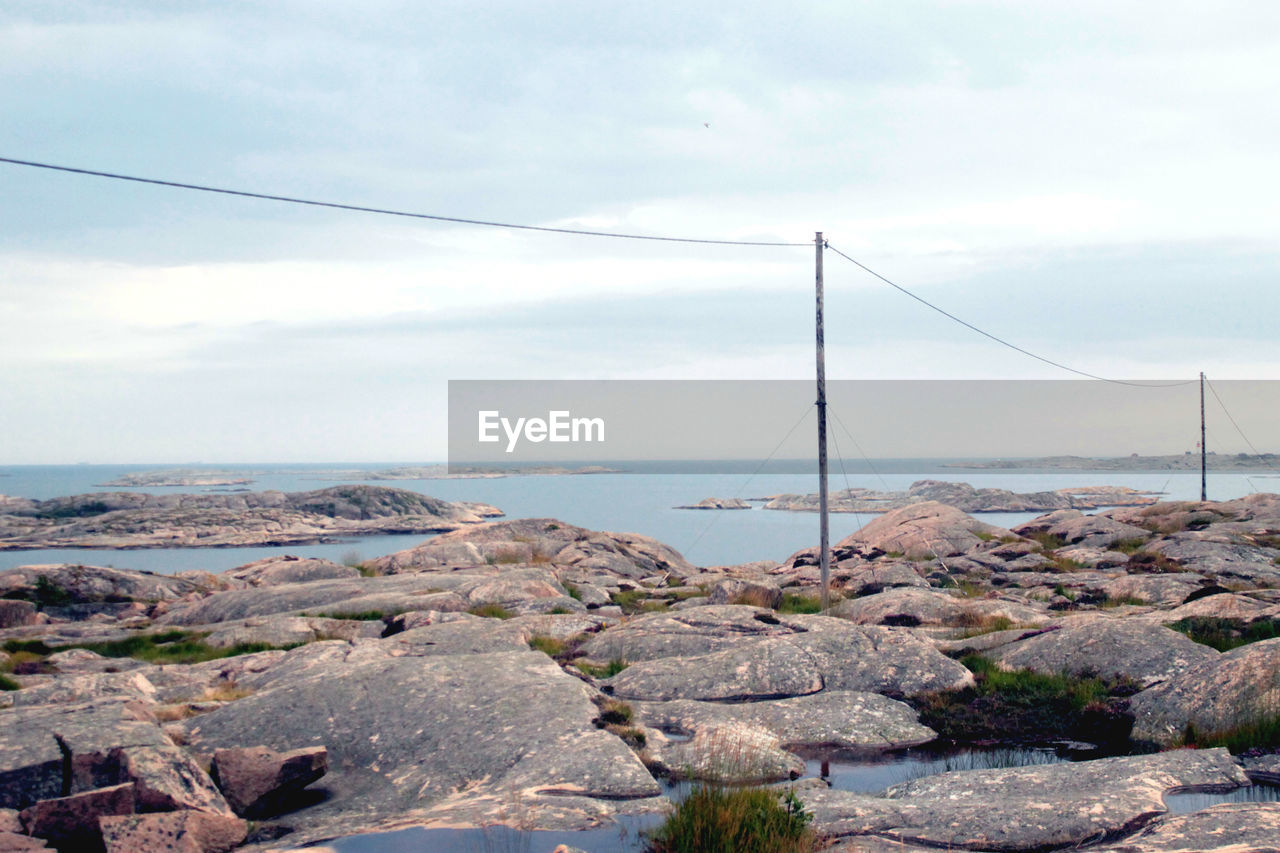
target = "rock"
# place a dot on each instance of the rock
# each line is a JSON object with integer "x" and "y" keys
{"x": 966, "y": 498}
{"x": 141, "y": 520}
{"x": 1263, "y": 768}
{"x": 410, "y": 735}
{"x": 870, "y": 578}
{"x": 907, "y": 606}
{"x": 9, "y": 821}
{"x": 1110, "y": 648}
{"x": 1090, "y": 531}
{"x": 131, "y": 686}
{"x": 1224, "y": 605}
{"x": 71, "y": 823}
{"x": 1233, "y": 689}
{"x": 730, "y": 752}
{"x": 259, "y": 782}
{"x": 924, "y": 530}
{"x": 718, "y": 503}
{"x": 165, "y": 778}
{"x": 1027, "y": 808}
{"x": 282, "y": 630}
{"x": 63, "y": 585}
{"x": 175, "y": 832}
{"x": 756, "y": 593}
{"x": 1220, "y": 558}
{"x": 16, "y": 614}
{"x": 1224, "y": 828}
{"x": 824, "y": 653}
{"x": 274, "y": 571}
{"x": 13, "y": 842}
{"x": 540, "y": 540}
{"x": 833, "y": 718}
{"x": 1167, "y": 590}
{"x": 679, "y": 634}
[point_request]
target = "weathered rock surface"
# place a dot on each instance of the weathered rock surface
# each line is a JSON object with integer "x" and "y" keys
{"x": 139, "y": 520}
{"x": 500, "y": 722}
{"x": 1224, "y": 828}
{"x": 259, "y": 782}
{"x": 835, "y": 718}
{"x": 71, "y": 823}
{"x": 172, "y": 832}
{"x": 758, "y": 593}
{"x": 824, "y": 653}
{"x": 15, "y": 614}
{"x": 1111, "y": 648}
{"x": 907, "y": 606}
{"x": 1091, "y": 531}
{"x": 1233, "y": 689}
{"x": 924, "y": 530}
{"x": 274, "y": 571}
{"x": 541, "y": 540}
{"x": 1027, "y": 808}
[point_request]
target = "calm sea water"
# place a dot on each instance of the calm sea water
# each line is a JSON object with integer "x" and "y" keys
{"x": 640, "y": 503}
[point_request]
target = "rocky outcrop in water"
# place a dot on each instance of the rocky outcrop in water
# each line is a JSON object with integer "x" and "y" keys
{"x": 136, "y": 520}
{"x": 963, "y": 497}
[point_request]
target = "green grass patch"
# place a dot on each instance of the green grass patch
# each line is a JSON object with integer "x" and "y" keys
{"x": 35, "y": 647}
{"x": 1120, "y": 600}
{"x": 45, "y": 593}
{"x": 984, "y": 535}
{"x": 735, "y": 820}
{"x": 573, "y": 591}
{"x": 1022, "y": 706}
{"x": 7, "y": 683}
{"x": 362, "y": 616}
{"x": 1227, "y": 634}
{"x": 1263, "y": 733}
{"x": 173, "y": 647}
{"x": 1048, "y": 541}
{"x": 549, "y": 646}
{"x": 634, "y": 601}
{"x": 985, "y": 625}
{"x": 1129, "y": 546}
{"x": 601, "y": 670}
{"x": 491, "y": 611}
{"x": 794, "y": 602}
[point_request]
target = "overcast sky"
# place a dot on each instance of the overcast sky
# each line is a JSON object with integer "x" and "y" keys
{"x": 1096, "y": 182}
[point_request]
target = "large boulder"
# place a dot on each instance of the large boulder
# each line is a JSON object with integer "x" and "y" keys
{"x": 540, "y": 540}
{"x": 172, "y": 832}
{"x": 1111, "y": 648}
{"x": 924, "y": 531}
{"x": 910, "y": 606}
{"x": 71, "y": 823}
{"x": 259, "y": 782}
{"x": 274, "y": 571}
{"x": 1238, "y": 688}
{"x": 16, "y": 614}
{"x": 1090, "y": 531}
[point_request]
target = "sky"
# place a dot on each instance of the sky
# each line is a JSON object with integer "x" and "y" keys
{"x": 1095, "y": 182}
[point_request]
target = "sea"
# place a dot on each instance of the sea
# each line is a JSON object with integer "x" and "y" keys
{"x": 640, "y": 499}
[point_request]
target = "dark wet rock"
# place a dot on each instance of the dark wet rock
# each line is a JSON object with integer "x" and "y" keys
{"x": 540, "y": 540}
{"x": 15, "y": 614}
{"x": 71, "y": 823}
{"x": 1110, "y": 648}
{"x": 174, "y": 832}
{"x": 274, "y": 571}
{"x": 411, "y": 734}
{"x": 1234, "y": 689}
{"x": 757, "y": 593}
{"x": 1224, "y": 828}
{"x": 1026, "y": 808}
{"x": 259, "y": 782}
{"x": 909, "y": 607}
{"x": 924, "y": 530}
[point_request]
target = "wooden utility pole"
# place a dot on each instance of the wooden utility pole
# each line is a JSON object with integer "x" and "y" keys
{"x": 824, "y": 552}
{"x": 1204, "y": 451}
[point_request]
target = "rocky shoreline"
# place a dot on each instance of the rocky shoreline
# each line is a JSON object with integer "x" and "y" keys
{"x": 1171, "y": 462}
{"x": 959, "y": 495}
{"x": 545, "y": 676}
{"x": 129, "y": 520}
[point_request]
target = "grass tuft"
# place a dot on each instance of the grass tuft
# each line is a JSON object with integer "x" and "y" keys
{"x": 735, "y": 820}
{"x": 491, "y": 611}
{"x": 794, "y": 602}
{"x": 1227, "y": 634}
{"x": 605, "y": 670}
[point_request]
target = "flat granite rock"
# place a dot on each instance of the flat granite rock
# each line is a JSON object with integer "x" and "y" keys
{"x": 1224, "y": 828}
{"x": 404, "y": 734}
{"x": 1025, "y": 808}
{"x": 830, "y": 655}
{"x": 912, "y": 606}
{"x": 834, "y": 718}
{"x": 1235, "y": 688}
{"x": 1110, "y": 648}
{"x": 924, "y": 530}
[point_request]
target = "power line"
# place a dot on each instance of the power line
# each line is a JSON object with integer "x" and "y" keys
{"x": 385, "y": 211}
{"x": 1227, "y": 412}
{"x": 1000, "y": 340}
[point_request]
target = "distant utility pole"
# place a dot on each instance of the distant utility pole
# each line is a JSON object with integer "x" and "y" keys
{"x": 824, "y": 554}
{"x": 1204, "y": 451}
